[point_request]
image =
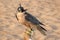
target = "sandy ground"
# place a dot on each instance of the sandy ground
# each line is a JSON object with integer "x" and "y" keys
{"x": 47, "y": 11}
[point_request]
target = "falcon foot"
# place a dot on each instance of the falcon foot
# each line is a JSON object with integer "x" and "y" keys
{"x": 28, "y": 34}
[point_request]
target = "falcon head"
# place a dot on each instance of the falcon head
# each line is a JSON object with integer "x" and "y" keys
{"x": 21, "y": 9}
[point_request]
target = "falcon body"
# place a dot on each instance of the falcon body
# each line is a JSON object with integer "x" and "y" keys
{"x": 28, "y": 20}
{"x": 22, "y": 20}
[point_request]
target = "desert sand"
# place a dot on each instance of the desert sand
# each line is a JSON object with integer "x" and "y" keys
{"x": 46, "y": 11}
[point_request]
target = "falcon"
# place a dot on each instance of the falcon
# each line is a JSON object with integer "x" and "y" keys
{"x": 29, "y": 20}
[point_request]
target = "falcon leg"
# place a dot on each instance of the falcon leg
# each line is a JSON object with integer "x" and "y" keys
{"x": 28, "y": 34}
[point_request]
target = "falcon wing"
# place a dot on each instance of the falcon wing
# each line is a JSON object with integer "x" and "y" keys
{"x": 32, "y": 19}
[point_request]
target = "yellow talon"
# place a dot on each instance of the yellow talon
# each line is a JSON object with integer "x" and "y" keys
{"x": 29, "y": 32}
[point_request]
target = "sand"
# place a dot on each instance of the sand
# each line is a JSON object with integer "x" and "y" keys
{"x": 46, "y": 11}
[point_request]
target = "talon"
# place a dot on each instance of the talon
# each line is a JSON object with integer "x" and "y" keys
{"x": 29, "y": 32}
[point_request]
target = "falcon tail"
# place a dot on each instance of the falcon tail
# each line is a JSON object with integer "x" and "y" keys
{"x": 41, "y": 29}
